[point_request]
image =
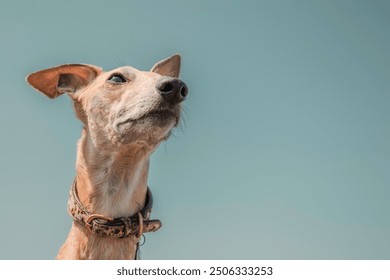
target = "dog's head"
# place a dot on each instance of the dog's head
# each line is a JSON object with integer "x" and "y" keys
{"x": 120, "y": 106}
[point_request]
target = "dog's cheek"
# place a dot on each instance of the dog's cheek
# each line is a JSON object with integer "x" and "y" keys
{"x": 101, "y": 133}
{"x": 80, "y": 112}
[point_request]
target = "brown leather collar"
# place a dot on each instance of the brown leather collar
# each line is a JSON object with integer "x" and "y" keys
{"x": 121, "y": 227}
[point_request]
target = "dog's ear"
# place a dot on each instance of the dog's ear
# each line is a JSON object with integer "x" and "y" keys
{"x": 168, "y": 67}
{"x": 67, "y": 78}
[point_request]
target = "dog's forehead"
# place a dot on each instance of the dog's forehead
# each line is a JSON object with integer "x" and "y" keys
{"x": 124, "y": 70}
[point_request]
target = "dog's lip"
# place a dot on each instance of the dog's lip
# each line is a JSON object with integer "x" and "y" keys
{"x": 160, "y": 113}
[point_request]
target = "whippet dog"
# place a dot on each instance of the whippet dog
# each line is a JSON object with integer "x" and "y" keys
{"x": 126, "y": 114}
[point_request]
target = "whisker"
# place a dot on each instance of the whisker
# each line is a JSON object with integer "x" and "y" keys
{"x": 170, "y": 74}
{"x": 165, "y": 146}
{"x": 120, "y": 61}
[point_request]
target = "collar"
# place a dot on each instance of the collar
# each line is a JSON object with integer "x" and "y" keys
{"x": 121, "y": 227}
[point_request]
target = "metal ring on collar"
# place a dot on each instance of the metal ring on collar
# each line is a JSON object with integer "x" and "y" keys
{"x": 141, "y": 225}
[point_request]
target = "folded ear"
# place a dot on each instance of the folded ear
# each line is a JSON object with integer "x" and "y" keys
{"x": 168, "y": 67}
{"x": 64, "y": 78}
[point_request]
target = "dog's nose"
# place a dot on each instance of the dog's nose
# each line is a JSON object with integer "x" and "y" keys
{"x": 172, "y": 90}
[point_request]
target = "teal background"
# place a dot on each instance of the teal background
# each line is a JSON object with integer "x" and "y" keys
{"x": 285, "y": 148}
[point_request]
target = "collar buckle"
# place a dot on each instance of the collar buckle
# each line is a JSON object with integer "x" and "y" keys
{"x": 89, "y": 220}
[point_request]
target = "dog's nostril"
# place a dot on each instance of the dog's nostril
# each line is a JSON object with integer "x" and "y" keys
{"x": 167, "y": 87}
{"x": 183, "y": 91}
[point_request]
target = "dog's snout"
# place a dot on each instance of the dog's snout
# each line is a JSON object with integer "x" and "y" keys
{"x": 173, "y": 90}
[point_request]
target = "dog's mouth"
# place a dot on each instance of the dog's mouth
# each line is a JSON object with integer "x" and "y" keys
{"x": 158, "y": 117}
{"x": 161, "y": 117}
{"x": 153, "y": 126}
{"x": 161, "y": 114}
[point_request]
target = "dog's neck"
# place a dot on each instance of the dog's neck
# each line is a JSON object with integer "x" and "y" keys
{"x": 112, "y": 183}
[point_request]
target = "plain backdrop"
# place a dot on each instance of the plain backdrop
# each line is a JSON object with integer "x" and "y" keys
{"x": 284, "y": 151}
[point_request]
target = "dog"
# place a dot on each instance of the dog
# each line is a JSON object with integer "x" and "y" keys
{"x": 126, "y": 113}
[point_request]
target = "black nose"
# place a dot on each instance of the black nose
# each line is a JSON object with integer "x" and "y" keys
{"x": 173, "y": 90}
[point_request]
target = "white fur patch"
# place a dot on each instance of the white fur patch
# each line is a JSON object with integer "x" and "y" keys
{"x": 124, "y": 205}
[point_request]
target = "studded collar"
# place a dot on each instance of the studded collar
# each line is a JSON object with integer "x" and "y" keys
{"x": 120, "y": 227}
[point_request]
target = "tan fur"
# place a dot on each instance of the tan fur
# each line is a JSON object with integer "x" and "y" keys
{"x": 120, "y": 133}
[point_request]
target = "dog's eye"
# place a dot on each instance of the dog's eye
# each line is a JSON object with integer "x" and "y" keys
{"x": 117, "y": 78}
